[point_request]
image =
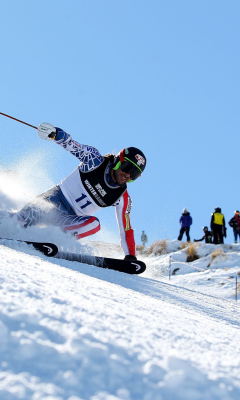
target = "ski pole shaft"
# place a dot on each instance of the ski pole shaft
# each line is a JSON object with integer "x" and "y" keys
{"x": 15, "y": 119}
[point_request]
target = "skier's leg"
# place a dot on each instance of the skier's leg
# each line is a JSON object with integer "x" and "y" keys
{"x": 52, "y": 208}
{"x": 187, "y": 233}
{"x": 30, "y": 215}
{"x": 41, "y": 209}
{"x": 80, "y": 226}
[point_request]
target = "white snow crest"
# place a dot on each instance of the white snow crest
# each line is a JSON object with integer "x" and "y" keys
{"x": 22, "y": 181}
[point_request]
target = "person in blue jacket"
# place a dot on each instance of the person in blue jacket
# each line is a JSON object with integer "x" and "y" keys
{"x": 185, "y": 222}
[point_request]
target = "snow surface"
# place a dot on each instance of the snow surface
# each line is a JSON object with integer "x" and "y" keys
{"x": 70, "y": 331}
{"x": 73, "y": 331}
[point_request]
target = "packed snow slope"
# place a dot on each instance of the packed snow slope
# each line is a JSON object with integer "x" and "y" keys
{"x": 70, "y": 331}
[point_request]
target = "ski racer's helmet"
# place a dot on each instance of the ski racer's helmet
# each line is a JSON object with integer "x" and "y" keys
{"x": 218, "y": 210}
{"x": 132, "y": 161}
{"x": 205, "y": 228}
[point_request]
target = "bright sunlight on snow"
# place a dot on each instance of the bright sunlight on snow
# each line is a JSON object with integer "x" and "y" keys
{"x": 70, "y": 331}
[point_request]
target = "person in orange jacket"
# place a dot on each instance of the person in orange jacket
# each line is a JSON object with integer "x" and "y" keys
{"x": 235, "y": 224}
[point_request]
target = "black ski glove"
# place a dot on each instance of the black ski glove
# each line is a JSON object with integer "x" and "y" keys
{"x": 130, "y": 258}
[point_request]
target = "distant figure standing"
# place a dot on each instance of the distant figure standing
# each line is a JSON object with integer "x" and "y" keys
{"x": 207, "y": 236}
{"x": 235, "y": 224}
{"x": 218, "y": 227}
{"x": 185, "y": 222}
{"x": 144, "y": 238}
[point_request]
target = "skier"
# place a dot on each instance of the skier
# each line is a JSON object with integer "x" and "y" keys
{"x": 235, "y": 224}
{"x": 98, "y": 182}
{"x": 207, "y": 236}
{"x": 218, "y": 227}
{"x": 185, "y": 222}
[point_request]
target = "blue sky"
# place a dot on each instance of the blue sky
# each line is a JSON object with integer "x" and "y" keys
{"x": 159, "y": 75}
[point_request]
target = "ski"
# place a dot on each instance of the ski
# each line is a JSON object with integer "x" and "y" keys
{"x": 51, "y": 250}
{"x": 48, "y": 249}
{"x": 126, "y": 266}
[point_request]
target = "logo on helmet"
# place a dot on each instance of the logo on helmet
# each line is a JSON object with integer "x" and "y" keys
{"x": 141, "y": 159}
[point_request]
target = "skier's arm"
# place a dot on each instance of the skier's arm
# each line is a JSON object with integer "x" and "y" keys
{"x": 88, "y": 155}
{"x": 123, "y": 208}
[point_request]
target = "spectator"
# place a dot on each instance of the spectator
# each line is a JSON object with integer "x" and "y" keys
{"x": 207, "y": 236}
{"x": 235, "y": 224}
{"x": 185, "y": 222}
{"x": 218, "y": 227}
{"x": 144, "y": 238}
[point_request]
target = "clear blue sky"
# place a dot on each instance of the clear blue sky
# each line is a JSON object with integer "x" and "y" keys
{"x": 159, "y": 75}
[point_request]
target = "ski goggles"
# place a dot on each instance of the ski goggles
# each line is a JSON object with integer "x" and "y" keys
{"x": 129, "y": 167}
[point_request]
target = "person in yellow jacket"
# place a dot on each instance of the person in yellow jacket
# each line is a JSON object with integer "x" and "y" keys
{"x": 218, "y": 226}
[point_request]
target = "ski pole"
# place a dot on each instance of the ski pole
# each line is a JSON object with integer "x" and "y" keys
{"x": 236, "y": 289}
{"x": 32, "y": 126}
{"x": 169, "y": 267}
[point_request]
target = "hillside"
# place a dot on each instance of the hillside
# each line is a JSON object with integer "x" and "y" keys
{"x": 71, "y": 331}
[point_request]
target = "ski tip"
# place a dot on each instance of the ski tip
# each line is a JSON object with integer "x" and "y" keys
{"x": 139, "y": 266}
{"x": 48, "y": 249}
